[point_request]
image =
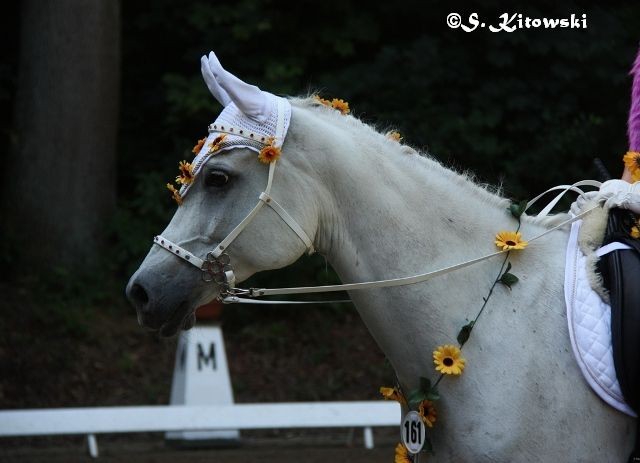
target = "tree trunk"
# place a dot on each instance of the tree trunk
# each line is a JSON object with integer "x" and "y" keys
{"x": 61, "y": 179}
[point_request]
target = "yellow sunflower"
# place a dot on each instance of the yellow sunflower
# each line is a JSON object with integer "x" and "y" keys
{"x": 269, "y": 154}
{"x": 427, "y": 412}
{"x": 196, "y": 149}
{"x": 215, "y": 144}
{"x": 394, "y": 135}
{"x": 448, "y": 360}
{"x": 175, "y": 193}
{"x": 186, "y": 173}
{"x": 402, "y": 455}
{"x": 322, "y": 101}
{"x": 340, "y": 105}
{"x": 635, "y": 231}
{"x": 392, "y": 393}
{"x": 632, "y": 162}
{"x": 508, "y": 240}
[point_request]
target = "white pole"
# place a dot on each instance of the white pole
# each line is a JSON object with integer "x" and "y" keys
{"x": 92, "y": 444}
{"x": 368, "y": 438}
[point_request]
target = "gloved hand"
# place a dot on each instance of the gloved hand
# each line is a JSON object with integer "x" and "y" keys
{"x": 618, "y": 193}
{"x": 578, "y": 205}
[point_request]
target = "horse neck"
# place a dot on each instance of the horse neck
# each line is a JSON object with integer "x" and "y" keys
{"x": 393, "y": 214}
{"x": 385, "y": 213}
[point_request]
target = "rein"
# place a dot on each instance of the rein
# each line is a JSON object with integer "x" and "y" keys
{"x": 216, "y": 266}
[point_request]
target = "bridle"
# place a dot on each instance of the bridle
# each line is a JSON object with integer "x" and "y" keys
{"x": 217, "y": 266}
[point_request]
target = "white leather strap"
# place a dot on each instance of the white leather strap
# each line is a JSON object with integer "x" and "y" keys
{"x": 178, "y": 251}
{"x": 244, "y": 300}
{"x": 284, "y": 215}
{"x": 615, "y": 246}
{"x": 400, "y": 281}
{"x": 564, "y": 189}
{"x": 224, "y": 244}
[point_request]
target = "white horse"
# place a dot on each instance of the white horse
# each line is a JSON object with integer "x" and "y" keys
{"x": 376, "y": 210}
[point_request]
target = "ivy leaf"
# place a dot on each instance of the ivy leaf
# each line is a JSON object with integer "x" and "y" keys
{"x": 508, "y": 267}
{"x": 508, "y": 279}
{"x": 428, "y": 447}
{"x": 464, "y": 333}
{"x": 433, "y": 394}
{"x": 425, "y": 384}
{"x": 416, "y": 396}
{"x": 517, "y": 209}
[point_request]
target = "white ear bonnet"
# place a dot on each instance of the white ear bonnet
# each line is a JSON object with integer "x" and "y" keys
{"x": 250, "y": 119}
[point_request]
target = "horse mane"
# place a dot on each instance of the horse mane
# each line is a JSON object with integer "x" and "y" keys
{"x": 414, "y": 158}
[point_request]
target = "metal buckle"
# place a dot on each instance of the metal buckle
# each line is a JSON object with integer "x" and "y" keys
{"x": 215, "y": 268}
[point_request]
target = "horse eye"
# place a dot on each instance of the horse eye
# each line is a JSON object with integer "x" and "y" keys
{"x": 216, "y": 178}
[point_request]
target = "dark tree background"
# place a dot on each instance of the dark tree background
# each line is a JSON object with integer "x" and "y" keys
{"x": 528, "y": 110}
{"x": 59, "y": 186}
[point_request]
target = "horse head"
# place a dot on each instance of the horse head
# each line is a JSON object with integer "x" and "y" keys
{"x": 220, "y": 204}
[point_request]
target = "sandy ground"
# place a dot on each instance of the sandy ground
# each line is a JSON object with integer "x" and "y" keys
{"x": 337, "y": 447}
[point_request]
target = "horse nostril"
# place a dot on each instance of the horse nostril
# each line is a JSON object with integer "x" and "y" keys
{"x": 138, "y": 295}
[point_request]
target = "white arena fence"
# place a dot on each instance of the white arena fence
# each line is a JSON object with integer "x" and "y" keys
{"x": 102, "y": 420}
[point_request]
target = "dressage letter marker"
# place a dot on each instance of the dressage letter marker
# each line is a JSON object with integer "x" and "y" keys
{"x": 413, "y": 432}
{"x": 201, "y": 377}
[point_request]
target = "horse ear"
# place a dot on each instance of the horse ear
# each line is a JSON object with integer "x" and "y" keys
{"x": 248, "y": 98}
{"x": 212, "y": 84}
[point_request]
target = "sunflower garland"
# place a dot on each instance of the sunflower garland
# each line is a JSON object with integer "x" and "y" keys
{"x": 175, "y": 193}
{"x": 427, "y": 411}
{"x": 394, "y": 135}
{"x": 215, "y": 144}
{"x": 337, "y": 103}
{"x": 340, "y": 105}
{"x": 447, "y": 358}
{"x": 196, "y": 149}
{"x": 393, "y": 393}
{"x": 269, "y": 154}
{"x": 402, "y": 455}
{"x": 508, "y": 240}
{"x": 632, "y": 162}
{"x": 186, "y": 173}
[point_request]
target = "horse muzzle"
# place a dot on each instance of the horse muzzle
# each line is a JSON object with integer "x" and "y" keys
{"x": 158, "y": 310}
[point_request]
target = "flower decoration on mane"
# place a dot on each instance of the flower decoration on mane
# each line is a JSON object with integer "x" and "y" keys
{"x": 394, "y": 135}
{"x": 393, "y": 393}
{"x": 340, "y": 105}
{"x": 632, "y": 162}
{"x": 270, "y": 153}
{"x": 186, "y": 173}
{"x": 337, "y": 104}
{"x": 427, "y": 411}
{"x": 321, "y": 100}
{"x": 215, "y": 144}
{"x": 510, "y": 240}
{"x": 175, "y": 193}
{"x": 196, "y": 149}
{"x": 448, "y": 360}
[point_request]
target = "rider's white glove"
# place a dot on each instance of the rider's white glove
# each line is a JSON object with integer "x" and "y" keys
{"x": 618, "y": 193}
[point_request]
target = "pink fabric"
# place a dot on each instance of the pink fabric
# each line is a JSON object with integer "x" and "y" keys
{"x": 634, "y": 112}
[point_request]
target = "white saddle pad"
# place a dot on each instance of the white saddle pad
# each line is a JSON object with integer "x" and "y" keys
{"x": 589, "y": 319}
